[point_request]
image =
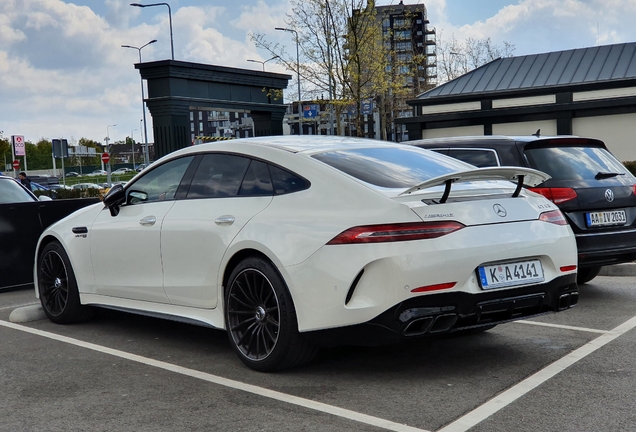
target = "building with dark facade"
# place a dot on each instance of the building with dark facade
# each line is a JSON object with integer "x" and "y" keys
{"x": 589, "y": 92}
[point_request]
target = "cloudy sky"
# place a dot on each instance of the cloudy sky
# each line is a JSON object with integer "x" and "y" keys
{"x": 63, "y": 73}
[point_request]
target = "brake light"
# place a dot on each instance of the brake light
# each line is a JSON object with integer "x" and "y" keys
{"x": 556, "y": 195}
{"x": 554, "y": 216}
{"x": 436, "y": 287}
{"x": 395, "y": 232}
{"x": 634, "y": 189}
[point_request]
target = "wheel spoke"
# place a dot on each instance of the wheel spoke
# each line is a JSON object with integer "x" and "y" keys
{"x": 235, "y": 297}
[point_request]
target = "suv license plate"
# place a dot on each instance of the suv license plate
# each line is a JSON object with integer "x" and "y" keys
{"x": 510, "y": 274}
{"x": 596, "y": 219}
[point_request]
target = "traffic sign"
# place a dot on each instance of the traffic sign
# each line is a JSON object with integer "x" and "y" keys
{"x": 16, "y": 164}
{"x": 105, "y": 157}
{"x": 310, "y": 111}
{"x": 18, "y": 145}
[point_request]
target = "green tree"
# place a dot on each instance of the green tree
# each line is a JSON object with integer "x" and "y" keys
{"x": 5, "y": 150}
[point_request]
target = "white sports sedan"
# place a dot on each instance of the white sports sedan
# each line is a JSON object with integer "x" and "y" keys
{"x": 292, "y": 242}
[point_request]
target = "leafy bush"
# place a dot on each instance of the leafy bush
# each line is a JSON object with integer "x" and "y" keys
{"x": 631, "y": 166}
{"x": 70, "y": 193}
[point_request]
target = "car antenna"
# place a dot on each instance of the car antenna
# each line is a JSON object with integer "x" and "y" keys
{"x": 537, "y": 133}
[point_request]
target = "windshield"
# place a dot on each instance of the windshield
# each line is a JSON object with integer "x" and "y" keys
{"x": 391, "y": 167}
{"x": 12, "y": 192}
{"x": 575, "y": 163}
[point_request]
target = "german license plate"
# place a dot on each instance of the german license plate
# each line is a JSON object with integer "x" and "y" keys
{"x": 605, "y": 218}
{"x": 510, "y": 274}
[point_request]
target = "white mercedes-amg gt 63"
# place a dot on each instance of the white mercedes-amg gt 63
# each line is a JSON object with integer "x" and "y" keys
{"x": 289, "y": 243}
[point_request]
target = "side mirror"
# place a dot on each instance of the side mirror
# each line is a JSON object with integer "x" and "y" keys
{"x": 45, "y": 198}
{"x": 114, "y": 198}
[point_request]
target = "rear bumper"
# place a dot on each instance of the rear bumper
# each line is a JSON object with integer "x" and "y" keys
{"x": 455, "y": 311}
{"x": 606, "y": 248}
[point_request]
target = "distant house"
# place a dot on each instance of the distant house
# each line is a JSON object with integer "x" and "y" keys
{"x": 588, "y": 92}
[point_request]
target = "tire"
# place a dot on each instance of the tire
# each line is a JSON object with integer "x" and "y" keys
{"x": 261, "y": 320}
{"x": 586, "y": 274}
{"x": 57, "y": 287}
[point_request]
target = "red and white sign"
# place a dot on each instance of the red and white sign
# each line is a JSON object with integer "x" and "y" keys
{"x": 16, "y": 164}
{"x": 105, "y": 157}
{"x": 18, "y": 145}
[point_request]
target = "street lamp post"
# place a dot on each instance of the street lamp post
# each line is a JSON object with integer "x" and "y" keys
{"x": 132, "y": 138}
{"x": 169, "y": 17}
{"x": 143, "y": 102}
{"x": 107, "y": 139}
{"x": 300, "y": 125}
{"x": 262, "y": 62}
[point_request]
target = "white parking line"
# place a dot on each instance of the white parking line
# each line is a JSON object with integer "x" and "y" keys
{"x": 504, "y": 399}
{"x": 19, "y": 306}
{"x": 260, "y": 391}
{"x": 560, "y": 326}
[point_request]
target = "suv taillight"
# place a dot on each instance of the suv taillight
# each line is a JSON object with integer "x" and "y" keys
{"x": 556, "y": 195}
{"x": 395, "y": 232}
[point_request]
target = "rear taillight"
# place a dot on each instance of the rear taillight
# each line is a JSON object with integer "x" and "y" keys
{"x": 556, "y": 195}
{"x": 634, "y": 189}
{"x": 395, "y": 232}
{"x": 554, "y": 216}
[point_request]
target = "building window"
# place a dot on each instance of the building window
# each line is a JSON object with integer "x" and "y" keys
{"x": 191, "y": 116}
{"x": 191, "y": 126}
{"x": 200, "y": 115}
{"x": 200, "y": 126}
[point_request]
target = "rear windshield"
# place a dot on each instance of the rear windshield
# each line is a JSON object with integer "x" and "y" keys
{"x": 574, "y": 163}
{"x": 391, "y": 167}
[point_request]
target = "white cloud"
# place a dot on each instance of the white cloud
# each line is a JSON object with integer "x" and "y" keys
{"x": 536, "y": 26}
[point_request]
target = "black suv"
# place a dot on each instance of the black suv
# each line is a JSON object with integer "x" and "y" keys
{"x": 592, "y": 188}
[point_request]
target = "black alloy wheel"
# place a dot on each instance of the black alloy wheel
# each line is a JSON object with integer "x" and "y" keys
{"x": 58, "y": 288}
{"x": 261, "y": 320}
{"x": 253, "y": 314}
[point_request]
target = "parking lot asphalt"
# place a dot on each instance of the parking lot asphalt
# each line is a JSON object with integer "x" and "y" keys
{"x": 571, "y": 371}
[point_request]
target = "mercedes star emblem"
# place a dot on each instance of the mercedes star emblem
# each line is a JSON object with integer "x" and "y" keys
{"x": 499, "y": 210}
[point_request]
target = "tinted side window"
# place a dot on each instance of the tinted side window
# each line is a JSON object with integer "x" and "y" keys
{"x": 257, "y": 180}
{"x": 159, "y": 184}
{"x": 479, "y": 158}
{"x": 286, "y": 182}
{"x": 218, "y": 175}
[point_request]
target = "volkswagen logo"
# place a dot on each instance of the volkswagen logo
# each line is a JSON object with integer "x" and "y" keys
{"x": 609, "y": 195}
{"x": 500, "y": 211}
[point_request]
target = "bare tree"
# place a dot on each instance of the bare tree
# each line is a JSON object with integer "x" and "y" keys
{"x": 455, "y": 58}
{"x": 342, "y": 54}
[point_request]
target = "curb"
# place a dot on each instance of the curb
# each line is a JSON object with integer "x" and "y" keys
{"x": 27, "y": 314}
{"x": 626, "y": 269}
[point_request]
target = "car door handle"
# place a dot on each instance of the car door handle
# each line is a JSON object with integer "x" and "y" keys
{"x": 224, "y": 220}
{"x": 148, "y": 221}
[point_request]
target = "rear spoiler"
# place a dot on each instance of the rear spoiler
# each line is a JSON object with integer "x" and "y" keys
{"x": 522, "y": 176}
